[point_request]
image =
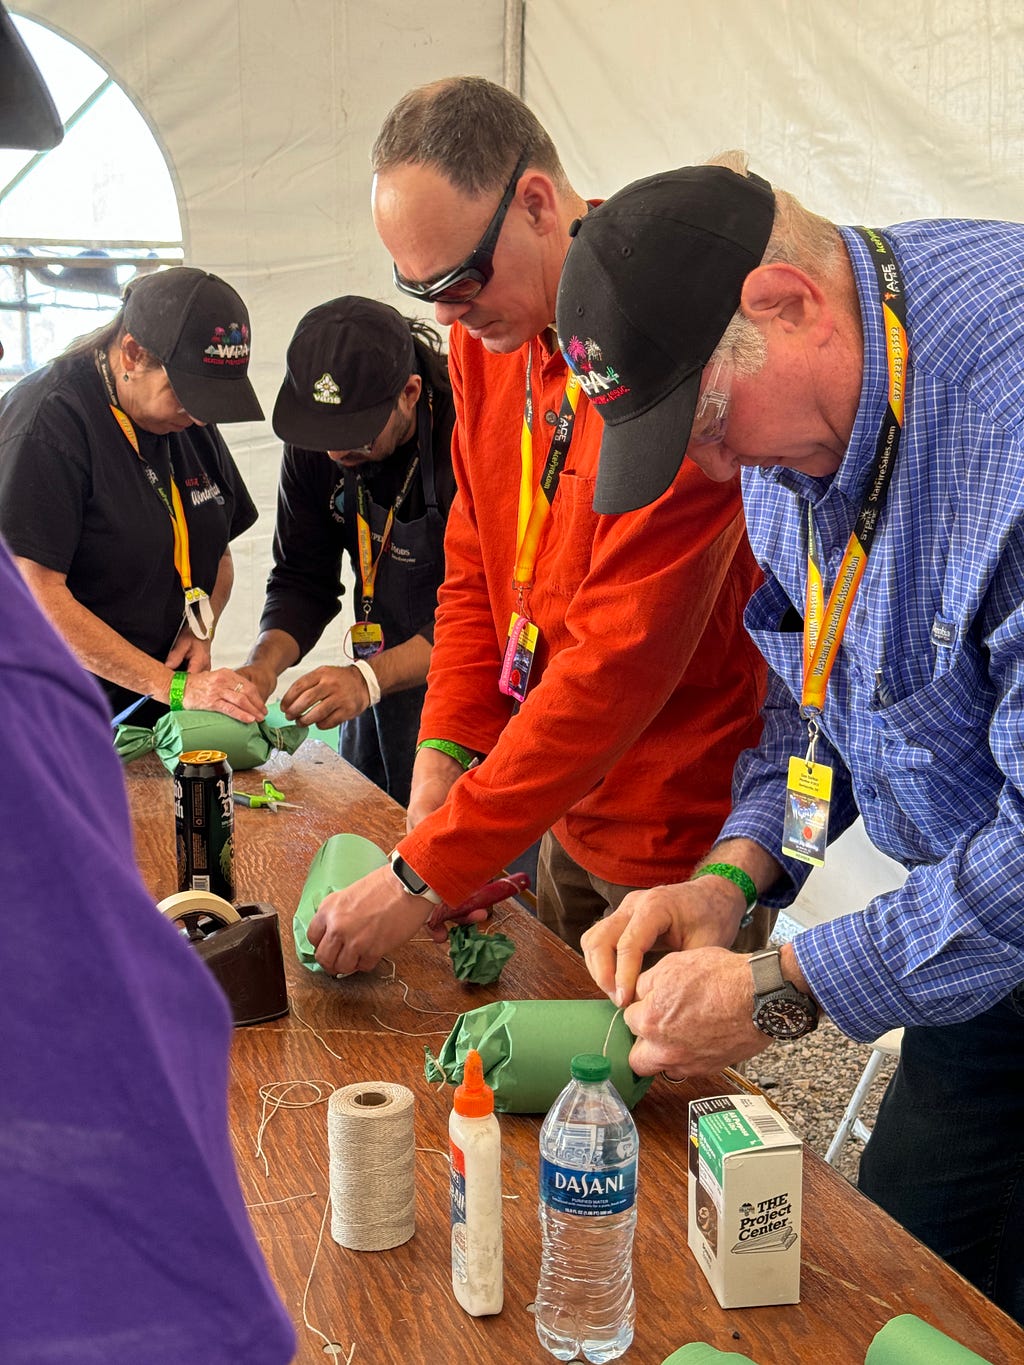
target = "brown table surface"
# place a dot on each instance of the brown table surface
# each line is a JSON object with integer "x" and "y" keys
{"x": 859, "y": 1268}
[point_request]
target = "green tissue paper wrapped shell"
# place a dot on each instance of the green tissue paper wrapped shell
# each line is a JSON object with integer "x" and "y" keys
{"x": 527, "y": 1046}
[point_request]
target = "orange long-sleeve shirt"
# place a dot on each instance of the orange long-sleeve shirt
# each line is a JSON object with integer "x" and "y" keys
{"x": 646, "y": 685}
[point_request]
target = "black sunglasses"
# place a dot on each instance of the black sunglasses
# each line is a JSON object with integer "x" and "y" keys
{"x": 467, "y": 279}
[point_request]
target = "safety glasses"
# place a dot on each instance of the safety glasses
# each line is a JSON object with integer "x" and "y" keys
{"x": 466, "y": 281}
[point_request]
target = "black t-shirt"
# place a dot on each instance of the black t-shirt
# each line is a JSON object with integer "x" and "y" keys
{"x": 316, "y": 525}
{"x": 75, "y": 498}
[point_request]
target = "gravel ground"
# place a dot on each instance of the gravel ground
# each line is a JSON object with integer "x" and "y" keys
{"x": 812, "y": 1079}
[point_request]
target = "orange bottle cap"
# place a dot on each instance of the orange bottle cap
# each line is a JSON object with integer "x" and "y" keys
{"x": 473, "y": 1099}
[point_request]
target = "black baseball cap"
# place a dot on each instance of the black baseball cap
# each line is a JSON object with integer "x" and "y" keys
{"x": 28, "y": 116}
{"x": 198, "y": 328}
{"x": 651, "y": 281}
{"x": 347, "y": 363}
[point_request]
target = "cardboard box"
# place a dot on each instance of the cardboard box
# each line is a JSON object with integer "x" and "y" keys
{"x": 745, "y": 1186}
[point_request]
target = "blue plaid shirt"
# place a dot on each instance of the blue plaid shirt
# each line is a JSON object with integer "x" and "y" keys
{"x": 924, "y": 717}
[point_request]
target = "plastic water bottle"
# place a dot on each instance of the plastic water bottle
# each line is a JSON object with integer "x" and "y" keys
{"x": 588, "y": 1160}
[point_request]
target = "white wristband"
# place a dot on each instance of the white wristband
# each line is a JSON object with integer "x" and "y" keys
{"x": 370, "y": 678}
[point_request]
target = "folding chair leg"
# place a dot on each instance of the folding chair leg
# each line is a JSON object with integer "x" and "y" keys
{"x": 851, "y": 1118}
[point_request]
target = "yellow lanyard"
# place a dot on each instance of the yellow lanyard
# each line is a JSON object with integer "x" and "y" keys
{"x": 825, "y": 623}
{"x": 536, "y": 497}
{"x": 368, "y": 566}
{"x": 198, "y": 610}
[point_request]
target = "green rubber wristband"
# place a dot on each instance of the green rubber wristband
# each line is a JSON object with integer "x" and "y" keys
{"x": 457, "y": 751}
{"x": 176, "y": 696}
{"x": 739, "y": 878}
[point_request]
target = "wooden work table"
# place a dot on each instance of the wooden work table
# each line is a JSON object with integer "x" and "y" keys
{"x": 859, "y": 1268}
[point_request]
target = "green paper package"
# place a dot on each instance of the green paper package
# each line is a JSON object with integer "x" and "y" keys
{"x": 527, "y": 1047}
{"x": 700, "y": 1353}
{"x": 132, "y": 741}
{"x": 337, "y": 863}
{"x": 907, "y": 1340}
{"x": 246, "y": 745}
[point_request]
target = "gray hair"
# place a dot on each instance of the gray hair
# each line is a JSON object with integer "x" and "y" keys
{"x": 799, "y": 238}
{"x": 470, "y": 130}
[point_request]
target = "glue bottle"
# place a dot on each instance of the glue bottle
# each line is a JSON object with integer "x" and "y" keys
{"x": 475, "y": 1185}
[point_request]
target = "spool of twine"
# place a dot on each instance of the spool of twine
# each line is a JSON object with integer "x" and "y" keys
{"x": 373, "y": 1165}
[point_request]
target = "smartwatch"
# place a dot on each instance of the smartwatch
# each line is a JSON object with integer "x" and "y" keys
{"x": 411, "y": 881}
{"x": 780, "y": 1010}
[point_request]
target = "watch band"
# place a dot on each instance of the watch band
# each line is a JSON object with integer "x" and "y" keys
{"x": 410, "y": 880}
{"x": 766, "y": 969}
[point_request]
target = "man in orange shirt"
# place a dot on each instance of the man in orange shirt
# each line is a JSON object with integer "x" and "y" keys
{"x": 608, "y": 715}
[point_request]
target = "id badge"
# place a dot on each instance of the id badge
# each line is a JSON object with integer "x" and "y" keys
{"x": 808, "y": 795}
{"x": 520, "y": 648}
{"x": 367, "y": 639}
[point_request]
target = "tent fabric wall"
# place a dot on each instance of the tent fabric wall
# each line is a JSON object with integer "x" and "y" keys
{"x": 266, "y": 112}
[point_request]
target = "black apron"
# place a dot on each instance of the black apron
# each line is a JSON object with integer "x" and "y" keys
{"x": 381, "y": 742}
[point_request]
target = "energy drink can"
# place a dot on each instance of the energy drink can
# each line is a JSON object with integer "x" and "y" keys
{"x": 204, "y": 818}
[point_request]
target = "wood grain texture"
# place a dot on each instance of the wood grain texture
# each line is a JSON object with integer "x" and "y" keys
{"x": 859, "y": 1268}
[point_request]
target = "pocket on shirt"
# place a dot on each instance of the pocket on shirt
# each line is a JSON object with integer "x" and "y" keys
{"x": 935, "y": 752}
{"x": 568, "y": 545}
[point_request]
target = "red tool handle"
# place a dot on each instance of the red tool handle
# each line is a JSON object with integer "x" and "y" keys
{"x": 489, "y": 894}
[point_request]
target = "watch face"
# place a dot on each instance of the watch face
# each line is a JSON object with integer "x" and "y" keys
{"x": 782, "y": 1018}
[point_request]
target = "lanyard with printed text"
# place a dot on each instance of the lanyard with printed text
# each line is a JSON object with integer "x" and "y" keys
{"x": 368, "y": 565}
{"x": 809, "y": 783}
{"x": 535, "y": 499}
{"x": 198, "y": 608}
{"x": 825, "y": 623}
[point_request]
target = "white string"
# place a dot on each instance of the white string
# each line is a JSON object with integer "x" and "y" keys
{"x": 309, "y": 1280}
{"x": 608, "y": 1035}
{"x": 280, "y": 1101}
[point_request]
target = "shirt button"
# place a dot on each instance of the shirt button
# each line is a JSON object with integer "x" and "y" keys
{"x": 551, "y": 417}
{"x": 870, "y": 792}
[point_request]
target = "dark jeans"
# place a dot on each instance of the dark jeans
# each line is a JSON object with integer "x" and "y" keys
{"x": 946, "y": 1158}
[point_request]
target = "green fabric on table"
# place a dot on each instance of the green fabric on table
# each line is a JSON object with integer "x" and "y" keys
{"x": 700, "y": 1353}
{"x": 527, "y": 1046}
{"x": 907, "y": 1340}
{"x": 246, "y": 745}
{"x": 478, "y": 957}
{"x": 338, "y": 862}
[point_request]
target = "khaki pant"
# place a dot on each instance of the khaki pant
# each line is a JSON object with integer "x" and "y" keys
{"x": 570, "y": 900}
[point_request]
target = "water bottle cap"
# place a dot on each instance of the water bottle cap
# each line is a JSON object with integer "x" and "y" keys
{"x": 590, "y": 1066}
{"x": 473, "y": 1099}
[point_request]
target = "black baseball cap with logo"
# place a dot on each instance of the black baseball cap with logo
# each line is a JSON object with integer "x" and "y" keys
{"x": 651, "y": 281}
{"x": 347, "y": 363}
{"x": 198, "y": 328}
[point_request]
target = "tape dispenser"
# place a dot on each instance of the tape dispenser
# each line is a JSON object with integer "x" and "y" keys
{"x": 242, "y": 948}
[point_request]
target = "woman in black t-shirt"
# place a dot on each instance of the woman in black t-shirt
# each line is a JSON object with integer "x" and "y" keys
{"x": 119, "y": 501}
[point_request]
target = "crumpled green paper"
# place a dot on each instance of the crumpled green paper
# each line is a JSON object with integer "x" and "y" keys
{"x": 476, "y": 956}
{"x": 132, "y": 741}
{"x": 527, "y": 1047}
{"x": 246, "y": 745}
{"x": 338, "y": 862}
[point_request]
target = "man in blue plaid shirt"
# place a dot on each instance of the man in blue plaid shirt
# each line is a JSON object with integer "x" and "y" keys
{"x": 870, "y": 387}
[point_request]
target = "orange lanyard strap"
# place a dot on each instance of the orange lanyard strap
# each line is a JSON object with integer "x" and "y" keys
{"x": 535, "y": 499}
{"x": 825, "y": 623}
{"x": 368, "y": 566}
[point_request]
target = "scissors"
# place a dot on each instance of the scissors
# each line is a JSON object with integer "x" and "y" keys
{"x": 272, "y": 799}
